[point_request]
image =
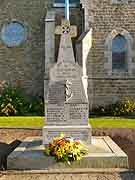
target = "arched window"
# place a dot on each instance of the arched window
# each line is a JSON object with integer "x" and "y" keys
{"x": 119, "y": 53}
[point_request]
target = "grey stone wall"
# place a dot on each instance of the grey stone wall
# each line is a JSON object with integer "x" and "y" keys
{"x": 24, "y": 65}
{"x": 106, "y": 17}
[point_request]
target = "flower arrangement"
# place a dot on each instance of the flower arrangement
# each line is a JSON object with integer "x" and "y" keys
{"x": 66, "y": 149}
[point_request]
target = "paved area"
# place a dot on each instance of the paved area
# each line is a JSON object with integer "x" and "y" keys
{"x": 124, "y": 137}
{"x": 88, "y": 174}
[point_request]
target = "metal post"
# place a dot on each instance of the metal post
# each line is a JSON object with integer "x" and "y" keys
{"x": 67, "y": 9}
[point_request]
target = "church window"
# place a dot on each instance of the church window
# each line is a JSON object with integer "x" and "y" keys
{"x": 13, "y": 34}
{"x": 60, "y": 3}
{"x": 119, "y": 53}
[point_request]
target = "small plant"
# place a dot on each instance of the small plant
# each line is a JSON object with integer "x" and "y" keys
{"x": 13, "y": 102}
{"x": 125, "y": 106}
{"x": 36, "y": 106}
{"x": 66, "y": 149}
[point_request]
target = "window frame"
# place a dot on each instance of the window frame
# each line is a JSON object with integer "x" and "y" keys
{"x": 124, "y": 61}
{"x": 4, "y": 28}
{"x": 108, "y": 53}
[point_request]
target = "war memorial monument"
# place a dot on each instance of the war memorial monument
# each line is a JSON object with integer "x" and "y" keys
{"x": 67, "y": 111}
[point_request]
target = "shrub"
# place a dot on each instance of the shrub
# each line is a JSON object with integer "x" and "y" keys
{"x": 125, "y": 106}
{"x": 14, "y": 102}
{"x": 66, "y": 149}
{"x": 36, "y": 106}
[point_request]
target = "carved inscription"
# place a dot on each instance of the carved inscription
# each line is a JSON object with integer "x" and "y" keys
{"x": 55, "y": 114}
{"x": 56, "y": 93}
{"x": 78, "y": 111}
{"x": 75, "y": 134}
{"x": 75, "y": 114}
{"x": 66, "y": 71}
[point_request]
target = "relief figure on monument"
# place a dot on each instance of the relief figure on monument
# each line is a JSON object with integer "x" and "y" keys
{"x": 68, "y": 91}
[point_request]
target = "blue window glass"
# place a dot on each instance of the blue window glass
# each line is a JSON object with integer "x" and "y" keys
{"x": 119, "y": 53}
{"x": 13, "y": 34}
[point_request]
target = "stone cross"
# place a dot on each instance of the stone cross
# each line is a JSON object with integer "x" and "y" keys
{"x": 65, "y": 49}
{"x": 65, "y": 28}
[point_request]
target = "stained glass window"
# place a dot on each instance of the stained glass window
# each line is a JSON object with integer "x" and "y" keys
{"x": 13, "y": 34}
{"x": 119, "y": 53}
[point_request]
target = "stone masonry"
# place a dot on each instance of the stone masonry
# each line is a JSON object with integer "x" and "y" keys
{"x": 67, "y": 102}
{"x": 107, "y": 17}
{"x": 18, "y": 65}
{"x": 24, "y": 65}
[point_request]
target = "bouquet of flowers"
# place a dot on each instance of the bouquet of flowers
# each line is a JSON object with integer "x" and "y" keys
{"x": 66, "y": 149}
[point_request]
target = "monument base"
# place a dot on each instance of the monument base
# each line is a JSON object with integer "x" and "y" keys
{"x": 103, "y": 153}
{"x": 83, "y": 133}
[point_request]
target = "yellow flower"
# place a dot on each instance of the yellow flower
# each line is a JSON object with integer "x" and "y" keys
{"x": 62, "y": 135}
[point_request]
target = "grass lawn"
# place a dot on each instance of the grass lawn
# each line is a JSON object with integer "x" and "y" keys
{"x": 112, "y": 122}
{"x": 22, "y": 122}
{"x": 38, "y": 122}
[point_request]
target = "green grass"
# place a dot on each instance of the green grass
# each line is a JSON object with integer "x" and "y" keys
{"x": 38, "y": 122}
{"x": 112, "y": 122}
{"x": 22, "y": 122}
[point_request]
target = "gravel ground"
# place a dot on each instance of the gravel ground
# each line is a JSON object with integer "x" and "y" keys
{"x": 125, "y": 138}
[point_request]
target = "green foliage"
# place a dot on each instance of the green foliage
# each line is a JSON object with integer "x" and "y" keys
{"x": 125, "y": 106}
{"x": 13, "y": 102}
{"x": 36, "y": 107}
{"x": 66, "y": 149}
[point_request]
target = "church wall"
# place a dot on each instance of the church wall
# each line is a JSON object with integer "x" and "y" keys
{"x": 108, "y": 91}
{"x": 24, "y": 65}
{"x": 108, "y": 86}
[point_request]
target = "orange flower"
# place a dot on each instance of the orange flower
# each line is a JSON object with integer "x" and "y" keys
{"x": 77, "y": 142}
